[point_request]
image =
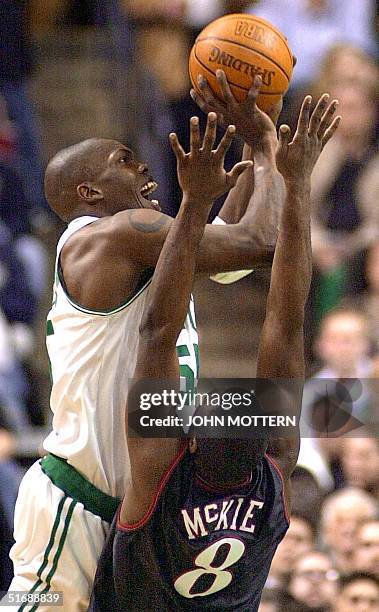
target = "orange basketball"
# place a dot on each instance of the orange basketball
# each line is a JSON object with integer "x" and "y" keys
{"x": 243, "y": 46}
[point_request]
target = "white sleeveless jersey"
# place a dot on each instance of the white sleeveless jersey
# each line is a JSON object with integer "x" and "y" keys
{"x": 92, "y": 357}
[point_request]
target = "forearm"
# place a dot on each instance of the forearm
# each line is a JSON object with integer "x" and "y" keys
{"x": 258, "y": 198}
{"x": 292, "y": 265}
{"x": 281, "y": 347}
{"x": 225, "y": 248}
{"x": 263, "y": 213}
{"x": 173, "y": 278}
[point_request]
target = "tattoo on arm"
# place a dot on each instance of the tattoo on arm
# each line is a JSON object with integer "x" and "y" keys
{"x": 147, "y": 227}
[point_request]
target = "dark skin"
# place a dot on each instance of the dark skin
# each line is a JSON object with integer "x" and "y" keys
{"x": 102, "y": 178}
{"x": 202, "y": 179}
{"x": 281, "y": 350}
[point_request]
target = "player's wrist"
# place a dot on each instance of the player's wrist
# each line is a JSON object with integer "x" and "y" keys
{"x": 266, "y": 147}
{"x": 266, "y": 156}
{"x": 299, "y": 185}
{"x": 199, "y": 204}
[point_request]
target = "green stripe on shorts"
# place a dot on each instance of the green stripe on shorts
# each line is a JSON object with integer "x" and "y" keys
{"x": 48, "y": 549}
{"x": 59, "y": 551}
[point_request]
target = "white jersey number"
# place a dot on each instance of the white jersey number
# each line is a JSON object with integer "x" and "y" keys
{"x": 203, "y": 562}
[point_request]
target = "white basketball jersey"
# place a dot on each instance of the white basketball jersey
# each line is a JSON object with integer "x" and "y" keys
{"x": 92, "y": 356}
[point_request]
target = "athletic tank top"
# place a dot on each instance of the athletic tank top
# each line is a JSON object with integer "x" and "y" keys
{"x": 196, "y": 548}
{"x": 92, "y": 357}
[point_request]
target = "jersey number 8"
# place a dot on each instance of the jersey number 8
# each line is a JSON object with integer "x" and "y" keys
{"x": 203, "y": 561}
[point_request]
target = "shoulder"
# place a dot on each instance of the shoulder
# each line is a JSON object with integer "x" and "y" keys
{"x": 116, "y": 232}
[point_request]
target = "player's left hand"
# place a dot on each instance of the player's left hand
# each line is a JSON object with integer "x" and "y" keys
{"x": 296, "y": 158}
{"x": 253, "y": 125}
{"x": 201, "y": 172}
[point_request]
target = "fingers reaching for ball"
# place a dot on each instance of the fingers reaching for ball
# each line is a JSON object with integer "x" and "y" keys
{"x": 210, "y": 132}
{"x": 254, "y": 89}
{"x": 323, "y": 123}
{"x": 329, "y": 123}
{"x": 317, "y": 114}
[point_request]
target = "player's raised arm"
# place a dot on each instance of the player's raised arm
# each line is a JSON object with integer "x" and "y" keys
{"x": 202, "y": 179}
{"x": 281, "y": 349}
{"x": 281, "y": 353}
{"x": 258, "y": 193}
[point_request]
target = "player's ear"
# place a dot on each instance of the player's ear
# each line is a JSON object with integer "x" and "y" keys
{"x": 192, "y": 445}
{"x": 89, "y": 192}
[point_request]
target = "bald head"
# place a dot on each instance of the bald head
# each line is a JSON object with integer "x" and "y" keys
{"x": 79, "y": 164}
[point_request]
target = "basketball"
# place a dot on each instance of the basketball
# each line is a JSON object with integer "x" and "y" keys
{"x": 243, "y": 46}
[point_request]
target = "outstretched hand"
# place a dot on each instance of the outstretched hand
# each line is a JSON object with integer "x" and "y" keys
{"x": 252, "y": 124}
{"x": 296, "y": 159}
{"x": 201, "y": 173}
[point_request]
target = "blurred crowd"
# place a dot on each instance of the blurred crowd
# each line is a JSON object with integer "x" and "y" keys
{"x": 329, "y": 560}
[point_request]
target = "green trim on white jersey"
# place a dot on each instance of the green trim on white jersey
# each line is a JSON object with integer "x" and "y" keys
{"x": 104, "y": 313}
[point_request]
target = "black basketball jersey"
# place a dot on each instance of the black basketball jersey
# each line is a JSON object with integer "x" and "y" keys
{"x": 197, "y": 548}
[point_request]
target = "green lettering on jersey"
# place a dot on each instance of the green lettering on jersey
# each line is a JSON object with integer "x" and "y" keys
{"x": 49, "y": 328}
{"x": 183, "y": 351}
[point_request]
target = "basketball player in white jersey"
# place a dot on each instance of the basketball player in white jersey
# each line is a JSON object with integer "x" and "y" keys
{"x": 104, "y": 264}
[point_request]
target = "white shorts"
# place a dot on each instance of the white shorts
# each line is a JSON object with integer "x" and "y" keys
{"x": 58, "y": 544}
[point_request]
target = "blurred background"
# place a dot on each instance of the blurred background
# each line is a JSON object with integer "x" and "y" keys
{"x": 73, "y": 69}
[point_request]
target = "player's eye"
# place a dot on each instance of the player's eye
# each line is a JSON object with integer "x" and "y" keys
{"x": 126, "y": 158}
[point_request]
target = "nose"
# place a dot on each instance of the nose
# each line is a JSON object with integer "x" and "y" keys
{"x": 142, "y": 168}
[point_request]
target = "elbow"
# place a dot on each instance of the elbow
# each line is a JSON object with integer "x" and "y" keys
{"x": 258, "y": 251}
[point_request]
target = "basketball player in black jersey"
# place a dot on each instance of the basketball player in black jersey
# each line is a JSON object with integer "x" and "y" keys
{"x": 201, "y": 520}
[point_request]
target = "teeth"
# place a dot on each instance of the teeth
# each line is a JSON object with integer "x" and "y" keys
{"x": 149, "y": 187}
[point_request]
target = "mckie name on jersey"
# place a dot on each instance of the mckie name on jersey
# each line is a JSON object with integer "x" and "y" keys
{"x": 224, "y": 514}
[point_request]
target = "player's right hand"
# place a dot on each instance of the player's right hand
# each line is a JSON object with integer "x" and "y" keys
{"x": 201, "y": 173}
{"x": 253, "y": 125}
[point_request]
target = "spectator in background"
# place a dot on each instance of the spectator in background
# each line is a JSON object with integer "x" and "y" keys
{"x": 312, "y": 584}
{"x": 337, "y": 391}
{"x": 341, "y": 514}
{"x": 17, "y": 314}
{"x": 345, "y": 62}
{"x": 342, "y": 345}
{"x": 15, "y": 66}
{"x": 16, "y": 296}
{"x": 314, "y": 26}
{"x": 306, "y": 496}
{"x": 8, "y": 136}
{"x": 345, "y": 192}
{"x": 358, "y": 592}
{"x": 10, "y": 478}
{"x": 366, "y": 557}
{"x": 299, "y": 539}
{"x": 15, "y": 211}
{"x": 360, "y": 463}
{"x": 368, "y": 302}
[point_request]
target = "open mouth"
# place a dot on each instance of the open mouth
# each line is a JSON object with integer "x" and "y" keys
{"x": 148, "y": 188}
